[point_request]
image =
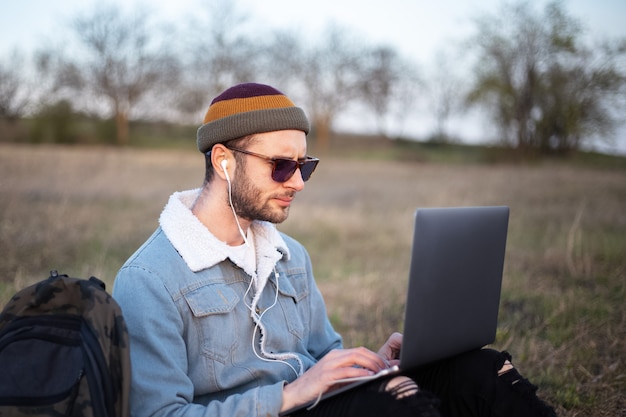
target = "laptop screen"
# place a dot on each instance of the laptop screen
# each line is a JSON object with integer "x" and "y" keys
{"x": 454, "y": 282}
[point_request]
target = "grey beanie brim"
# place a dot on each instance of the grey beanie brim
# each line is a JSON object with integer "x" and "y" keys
{"x": 248, "y": 123}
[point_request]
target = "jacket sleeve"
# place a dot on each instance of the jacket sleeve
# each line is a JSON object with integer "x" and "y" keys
{"x": 160, "y": 383}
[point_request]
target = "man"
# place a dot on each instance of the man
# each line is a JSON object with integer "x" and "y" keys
{"x": 224, "y": 315}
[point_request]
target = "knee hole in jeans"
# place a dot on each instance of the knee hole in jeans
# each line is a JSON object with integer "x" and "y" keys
{"x": 401, "y": 386}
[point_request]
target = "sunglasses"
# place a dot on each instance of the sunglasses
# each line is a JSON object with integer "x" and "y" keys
{"x": 283, "y": 168}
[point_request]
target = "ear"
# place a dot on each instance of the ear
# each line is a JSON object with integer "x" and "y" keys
{"x": 219, "y": 159}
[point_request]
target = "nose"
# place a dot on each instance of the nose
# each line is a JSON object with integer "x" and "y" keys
{"x": 296, "y": 182}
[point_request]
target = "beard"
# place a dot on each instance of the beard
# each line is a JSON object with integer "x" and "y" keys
{"x": 249, "y": 203}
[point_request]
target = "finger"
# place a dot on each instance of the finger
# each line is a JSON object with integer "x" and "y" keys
{"x": 356, "y": 357}
{"x": 367, "y": 359}
{"x": 395, "y": 340}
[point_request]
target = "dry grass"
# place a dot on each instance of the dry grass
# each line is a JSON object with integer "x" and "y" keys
{"x": 84, "y": 210}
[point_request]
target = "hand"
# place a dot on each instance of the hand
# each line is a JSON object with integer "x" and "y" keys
{"x": 337, "y": 364}
{"x": 390, "y": 351}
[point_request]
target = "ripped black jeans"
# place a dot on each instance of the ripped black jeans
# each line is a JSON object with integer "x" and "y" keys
{"x": 466, "y": 385}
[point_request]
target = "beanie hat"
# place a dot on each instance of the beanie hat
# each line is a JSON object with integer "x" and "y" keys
{"x": 246, "y": 109}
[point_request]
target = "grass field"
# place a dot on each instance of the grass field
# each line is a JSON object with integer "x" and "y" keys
{"x": 84, "y": 210}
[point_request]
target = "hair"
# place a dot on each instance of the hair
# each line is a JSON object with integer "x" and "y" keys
{"x": 241, "y": 143}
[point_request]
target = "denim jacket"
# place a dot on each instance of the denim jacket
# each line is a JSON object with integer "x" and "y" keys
{"x": 186, "y": 306}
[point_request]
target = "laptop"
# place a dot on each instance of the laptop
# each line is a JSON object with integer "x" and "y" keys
{"x": 453, "y": 296}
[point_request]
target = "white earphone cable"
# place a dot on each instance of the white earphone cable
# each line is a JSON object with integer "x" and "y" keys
{"x": 258, "y": 326}
{"x": 256, "y": 317}
{"x": 230, "y": 201}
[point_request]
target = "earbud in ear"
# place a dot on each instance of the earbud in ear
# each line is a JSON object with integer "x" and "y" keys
{"x": 224, "y": 164}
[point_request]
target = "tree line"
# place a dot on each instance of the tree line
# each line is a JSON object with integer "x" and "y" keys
{"x": 534, "y": 74}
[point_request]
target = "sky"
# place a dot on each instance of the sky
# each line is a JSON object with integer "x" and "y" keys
{"x": 417, "y": 28}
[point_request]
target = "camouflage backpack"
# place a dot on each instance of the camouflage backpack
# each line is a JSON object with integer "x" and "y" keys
{"x": 64, "y": 351}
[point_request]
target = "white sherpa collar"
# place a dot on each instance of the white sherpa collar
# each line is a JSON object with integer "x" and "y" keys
{"x": 200, "y": 249}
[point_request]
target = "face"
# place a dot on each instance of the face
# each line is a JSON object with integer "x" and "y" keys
{"x": 256, "y": 196}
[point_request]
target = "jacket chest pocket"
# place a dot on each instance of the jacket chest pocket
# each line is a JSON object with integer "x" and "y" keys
{"x": 293, "y": 292}
{"x": 212, "y": 307}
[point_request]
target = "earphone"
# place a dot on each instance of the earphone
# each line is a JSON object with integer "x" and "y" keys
{"x": 257, "y": 318}
{"x": 224, "y": 164}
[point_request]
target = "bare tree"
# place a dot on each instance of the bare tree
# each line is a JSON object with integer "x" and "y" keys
{"x": 282, "y": 60}
{"x": 14, "y": 96}
{"x": 332, "y": 76}
{"x": 511, "y": 45}
{"x": 445, "y": 91}
{"x": 386, "y": 80}
{"x": 120, "y": 60}
{"x": 58, "y": 78}
{"x": 544, "y": 88}
{"x": 220, "y": 56}
{"x": 336, "y": 73}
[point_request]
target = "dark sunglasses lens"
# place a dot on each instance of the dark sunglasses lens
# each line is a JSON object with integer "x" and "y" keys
{"x": 283, "y": 169}
{"x": 307, "y": 169}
